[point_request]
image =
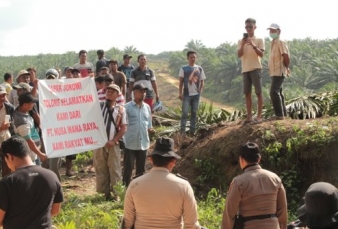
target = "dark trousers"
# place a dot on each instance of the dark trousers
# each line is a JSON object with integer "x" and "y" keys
{"x": 128, "y": 163}
{"x": 277, "y": 96}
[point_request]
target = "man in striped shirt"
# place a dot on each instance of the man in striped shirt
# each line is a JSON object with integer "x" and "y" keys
{"x": 107, "y": 160}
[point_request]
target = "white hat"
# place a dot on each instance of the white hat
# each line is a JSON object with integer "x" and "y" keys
{"x": 274, "y": 26}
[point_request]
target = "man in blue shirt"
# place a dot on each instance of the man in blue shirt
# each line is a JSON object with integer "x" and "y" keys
{"x": 137, "y": 136}
{"x": 190, "y": 88}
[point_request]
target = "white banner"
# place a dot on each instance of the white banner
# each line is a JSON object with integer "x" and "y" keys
{"x": 71, "y": 119}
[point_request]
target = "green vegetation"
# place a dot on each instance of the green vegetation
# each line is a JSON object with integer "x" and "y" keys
{"x": 93, "y": 212}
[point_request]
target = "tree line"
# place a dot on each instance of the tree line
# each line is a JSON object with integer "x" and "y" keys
{"x": 314, "y": 67}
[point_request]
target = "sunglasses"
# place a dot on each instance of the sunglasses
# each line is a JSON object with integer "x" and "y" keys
{"x": 249, "y": 26}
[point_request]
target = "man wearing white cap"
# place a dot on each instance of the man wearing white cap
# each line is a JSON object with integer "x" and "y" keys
{"x": 279, "y": 62}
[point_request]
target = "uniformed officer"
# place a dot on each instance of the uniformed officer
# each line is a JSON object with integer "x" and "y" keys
{"x": 160, "y": 199}
{"x": 320, "y": 210}
{"x": 258, "y": 195}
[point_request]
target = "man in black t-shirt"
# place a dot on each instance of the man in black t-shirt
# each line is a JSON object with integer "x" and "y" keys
{"x": 29, "y": 196}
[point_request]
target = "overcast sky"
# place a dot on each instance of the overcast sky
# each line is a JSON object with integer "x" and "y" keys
{"x": 29, "y": 27}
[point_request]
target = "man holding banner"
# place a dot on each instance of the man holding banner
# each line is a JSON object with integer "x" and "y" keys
{"x": 24, "y": 125}
{"x": 107, "y": 159}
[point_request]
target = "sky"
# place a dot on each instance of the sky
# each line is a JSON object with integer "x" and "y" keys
{"x": 30, "y": 27}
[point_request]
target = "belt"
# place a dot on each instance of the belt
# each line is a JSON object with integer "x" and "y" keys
{"x": 248, "y": 218}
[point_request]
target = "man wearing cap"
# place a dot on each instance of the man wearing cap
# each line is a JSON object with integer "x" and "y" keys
{"x": 76, "y": 73}
{"x": 119, "y": 77}
{"x": 107, "y": 160}
{"x": 320, "y": 210}
{"x": 257, "y": 194}
{"x": 22, "y": 88}
{"x": 160, "y": 199}
{"x": 23, "y": 77}
{"x": 126, "y": 67}
{"x": 84, "y": 67}
{"x": 31, "y": 195}
{"x": 24, "y": 125}
{"x": 137, "y": 136}
{"x": 251, "y": 49}
{"x": 279, "y": 62}
{"x": 68, "y": 72}
{"x": 102, "y": 61}
{"x": 6, "y": 126}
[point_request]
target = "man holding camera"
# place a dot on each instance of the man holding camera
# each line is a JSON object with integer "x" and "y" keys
{"x": 250, "y": 49}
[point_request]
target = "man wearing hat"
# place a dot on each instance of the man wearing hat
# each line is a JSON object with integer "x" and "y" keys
{"x": 320, "y": 210}
{"x": 23, "y": 77}
{"x": 31, "y": 195}
{"x": 126, "y": 67}
{"x": 76, "y": 73}
{"x": 24, "y": 125}
{"x": 159, "y": 199}
{"x": 279, "y": 61}
{"x": 68, "y": 72}
{"x": 257, "y": 194}
{"x": 137, "y": 136}
{"x": 102, "y": 61}
{"x": 6, "y": 126}
{"x": 107, "y": 160}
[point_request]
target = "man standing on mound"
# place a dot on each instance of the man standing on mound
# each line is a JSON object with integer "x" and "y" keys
{"x": 250, "y": 49}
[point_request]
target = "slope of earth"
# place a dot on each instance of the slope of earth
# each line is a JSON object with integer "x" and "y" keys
{"x": 305, "y": 148}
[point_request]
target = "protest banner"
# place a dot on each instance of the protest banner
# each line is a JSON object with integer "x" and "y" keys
{"x": 71, "y": 120}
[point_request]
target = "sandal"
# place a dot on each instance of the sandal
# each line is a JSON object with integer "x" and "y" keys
{"x": 247, "y": 122}
{"x": 258, "y": 120}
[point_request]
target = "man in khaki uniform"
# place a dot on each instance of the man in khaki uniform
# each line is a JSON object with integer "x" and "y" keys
{"x": 279, "y": 61}
{"x": 160, "y": 199}
{"x": 257, "y": 194}
{"x": 250, "y": 49}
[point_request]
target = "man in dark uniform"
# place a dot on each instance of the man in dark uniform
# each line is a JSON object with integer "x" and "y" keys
{"x": 257, "y": 194}
{"x": 320, "y": 210}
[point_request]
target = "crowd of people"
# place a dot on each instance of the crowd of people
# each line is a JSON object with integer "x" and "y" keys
{"x": 157, "y": 199}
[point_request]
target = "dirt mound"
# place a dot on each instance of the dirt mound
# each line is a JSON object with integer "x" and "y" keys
{"x": 210, "y": 159}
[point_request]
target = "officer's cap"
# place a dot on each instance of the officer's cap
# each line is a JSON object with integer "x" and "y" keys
{"x": 321, "y": 206}
{"x": 165, "y": 147}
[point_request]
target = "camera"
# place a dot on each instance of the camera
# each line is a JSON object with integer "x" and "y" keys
{"x": 245, "y": 35}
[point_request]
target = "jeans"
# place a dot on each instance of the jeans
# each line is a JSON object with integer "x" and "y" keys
{"x": 191, "y": 102}
{"x": 277, "y": 96}
{"x": 128, "y": 163}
